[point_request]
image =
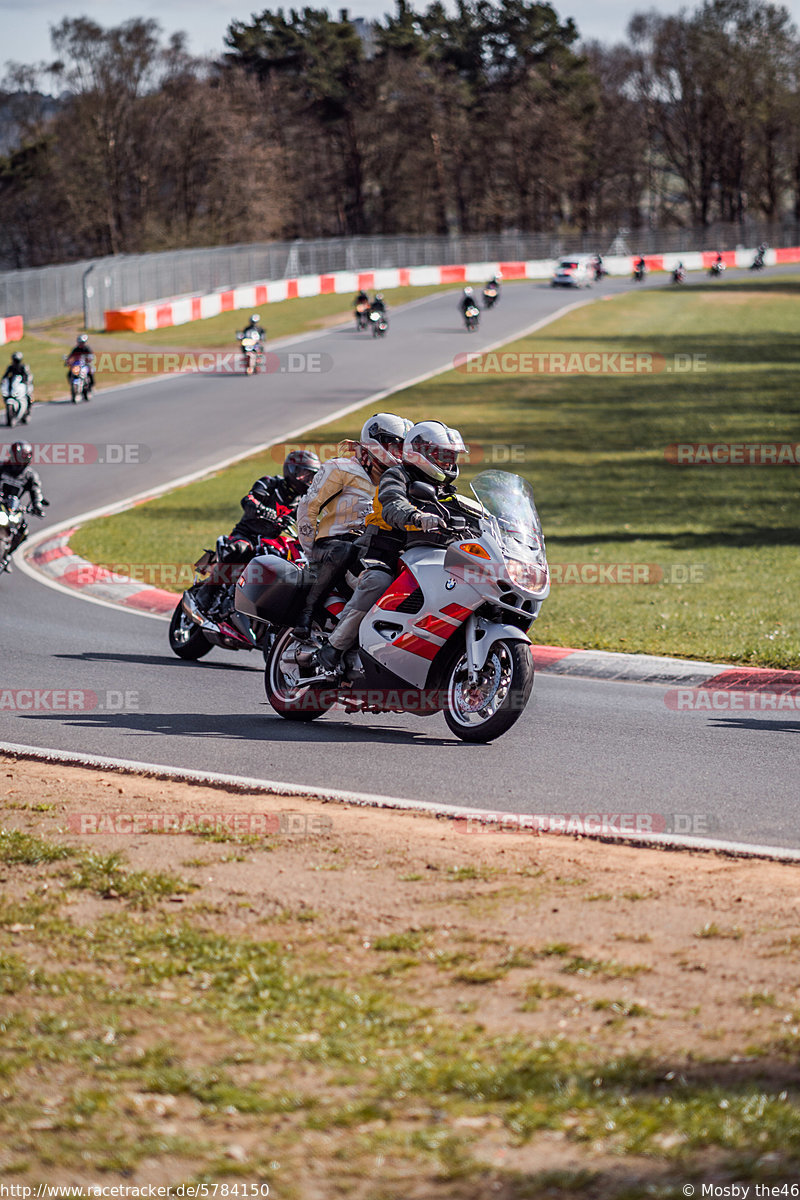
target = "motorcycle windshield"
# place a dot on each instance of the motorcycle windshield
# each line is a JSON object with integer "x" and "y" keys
{"x": 509, "y": 500}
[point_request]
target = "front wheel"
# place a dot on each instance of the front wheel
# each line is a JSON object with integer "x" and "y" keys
{"x": 9, "y": 416}
{"x": 483, "y": 711}
{"x": 186, "y": 639}
{"x": 284, "y": 686}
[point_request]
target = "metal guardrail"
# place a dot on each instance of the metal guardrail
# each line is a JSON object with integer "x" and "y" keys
{"x": 92, "y": 286}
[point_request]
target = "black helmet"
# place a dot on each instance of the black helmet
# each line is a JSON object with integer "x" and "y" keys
{"x": 299, "y": 469}
{"x": 21, "y": 454}
{"x": 16, "y": 357}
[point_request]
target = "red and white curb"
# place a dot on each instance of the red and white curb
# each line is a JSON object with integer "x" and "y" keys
{"x": 54, "y": 559}
{"x": 466, "y": 819}
{"x": 178, "y": 310}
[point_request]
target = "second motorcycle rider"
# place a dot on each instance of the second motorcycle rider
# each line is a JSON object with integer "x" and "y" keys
{"x": 331, "y": 516}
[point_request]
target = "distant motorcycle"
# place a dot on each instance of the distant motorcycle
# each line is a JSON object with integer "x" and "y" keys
{"x": 379, "y": 323}
{"x": 17, "y": 400}
{"x": 79, "y": 382}
{"x": 716, "y": 269}
{"x": 13, "y": 526}
{"x": 362, "y": 316}
{"x": 195, "y": 628}
{"x": 472, "y": 317}
{"x": 252, "y": 349}
{"x": 639, "y": 272}
{"x": 758, "y": 262}
{"x": 599, "y": 272}
{"x": 490, "y": 296}
{"x": 679, "y": 275}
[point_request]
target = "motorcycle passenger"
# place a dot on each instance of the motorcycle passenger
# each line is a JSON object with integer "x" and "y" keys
{"x": 18, "y": 368}
{"x": 430, "y": 455}
{"x": 331, "y": 515}
{"x": 265, "y": 508}
{"x": 17, "y": 476}
{"x": 82, "y": 352}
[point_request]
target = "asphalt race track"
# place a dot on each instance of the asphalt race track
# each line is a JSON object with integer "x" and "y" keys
{"x": 582, "y": 745}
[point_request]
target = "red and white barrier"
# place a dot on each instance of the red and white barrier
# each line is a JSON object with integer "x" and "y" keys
{"x": 178, "y": 310}
{"x": 10, "y": 329}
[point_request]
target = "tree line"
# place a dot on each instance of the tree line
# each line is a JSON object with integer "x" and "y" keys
{"x": 487, "y": 117}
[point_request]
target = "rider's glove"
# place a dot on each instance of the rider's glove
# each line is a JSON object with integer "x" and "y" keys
{"x": 428, "y": 522}
{"x": 268, "y": 514}
{"x": 37, "y": 510}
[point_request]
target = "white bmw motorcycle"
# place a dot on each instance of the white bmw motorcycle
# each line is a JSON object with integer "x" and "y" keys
{"x": 450, "y": 633}
{"x": 17, "y": 401}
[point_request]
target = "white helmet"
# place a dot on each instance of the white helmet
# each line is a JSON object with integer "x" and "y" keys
{"x": 433, "y": 449}
{"x": 382, "y": 438}
{"x": 467, "y": 291}
{"x": 256, "y": 317}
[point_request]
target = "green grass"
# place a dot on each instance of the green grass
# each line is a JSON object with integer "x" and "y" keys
{"x": 594, "y": 448}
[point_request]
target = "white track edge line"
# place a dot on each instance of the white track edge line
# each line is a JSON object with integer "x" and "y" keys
{"x": 242, "y": 783}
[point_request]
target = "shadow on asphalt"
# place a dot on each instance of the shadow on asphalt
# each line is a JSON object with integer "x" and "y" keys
{"x": 245, "y": 727}
{"x": 752, "y": 723}
{"x": 155, "y": 660}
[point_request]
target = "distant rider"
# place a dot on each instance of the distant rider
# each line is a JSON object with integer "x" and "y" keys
{"x": 17, "y": 477}
{"x": 18, "y": 369}
{"x": 82, "y": 352}
{"x": 467, "y": 301}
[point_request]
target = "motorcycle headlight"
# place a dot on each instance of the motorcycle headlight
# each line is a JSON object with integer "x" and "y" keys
{"x": 3, "y": 520}
{"x": 528, "y": 574}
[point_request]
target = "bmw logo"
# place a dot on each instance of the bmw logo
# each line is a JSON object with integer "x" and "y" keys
{"x": 450, "y": 584}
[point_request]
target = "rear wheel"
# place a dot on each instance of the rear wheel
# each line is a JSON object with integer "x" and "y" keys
{"x": 284, "y": 686}
{"x": 186, "y": 638}
{"x": 483, "y": 711}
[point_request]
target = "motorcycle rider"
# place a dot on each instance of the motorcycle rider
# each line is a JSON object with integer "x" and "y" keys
{"x": 332, "y": 513}
{"x": 271, "y": 499}
{"x": 19, "y": 368}
{"x": 253, "y": 326}
{"x": 430, "y": 455}
{"x": 467, "y": 301}
{"x": 361, "y": 298}
{"x": 639, "y": 267}
{"x": 17, "y": 476}
{"x": 82, "y": 352}
{"x": 378, "y": 305}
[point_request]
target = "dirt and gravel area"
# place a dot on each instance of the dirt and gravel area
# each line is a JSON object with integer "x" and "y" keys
{"x": 339, "y": 1001}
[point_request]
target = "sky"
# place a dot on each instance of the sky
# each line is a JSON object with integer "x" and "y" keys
{"x": 25, "y": 24}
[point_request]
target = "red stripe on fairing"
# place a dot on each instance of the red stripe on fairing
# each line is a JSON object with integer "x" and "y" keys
{"x": 335, "y": 607}
{"x": 436, "y": 626}
{"x": 416, "y": 645}
{"x": 399, "y": 591}
{"x": 456, "y": 611}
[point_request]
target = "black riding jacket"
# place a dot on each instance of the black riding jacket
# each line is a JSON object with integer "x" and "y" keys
{"x": 252, "y": 525}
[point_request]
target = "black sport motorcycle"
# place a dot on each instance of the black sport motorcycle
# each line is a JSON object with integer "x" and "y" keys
{"x": 200, "y": 621}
